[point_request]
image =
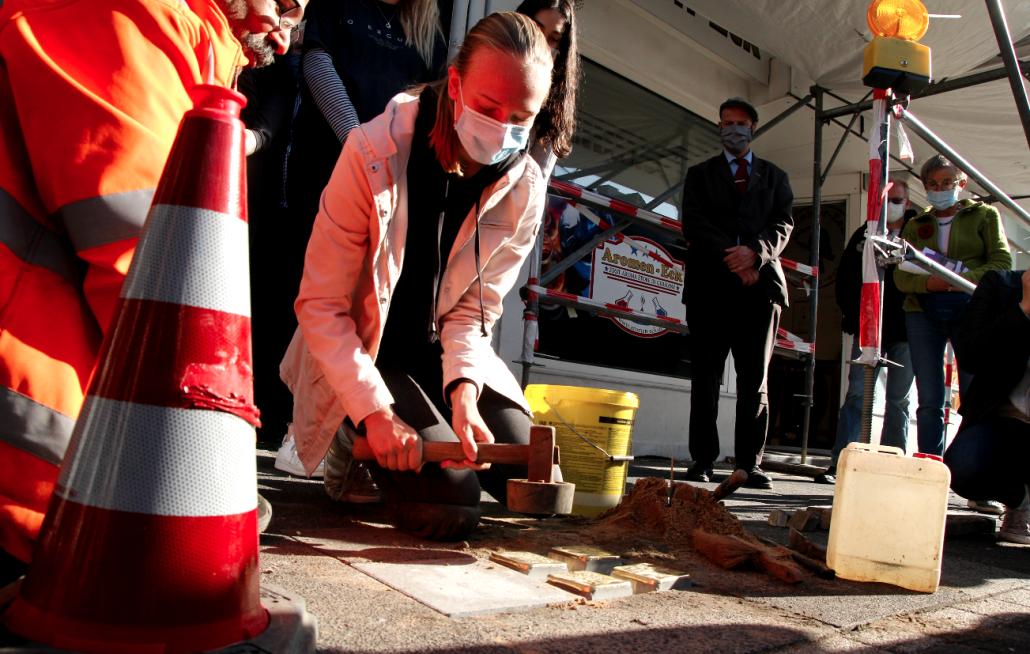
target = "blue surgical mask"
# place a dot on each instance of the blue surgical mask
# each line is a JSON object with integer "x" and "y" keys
{"x": 942, "y": 200}
{"x": 486, "y": 140}
{"x": 735, "y": 138}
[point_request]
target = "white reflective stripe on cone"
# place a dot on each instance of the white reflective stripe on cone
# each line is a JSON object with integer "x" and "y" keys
{"x": 160, "y": 461}
{"x": 196, "y": 257}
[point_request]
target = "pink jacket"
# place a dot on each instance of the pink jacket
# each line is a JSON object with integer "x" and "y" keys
{"x": 354, "y": 260}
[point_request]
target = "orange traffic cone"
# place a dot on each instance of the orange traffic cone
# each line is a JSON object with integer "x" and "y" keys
{"x": 150, "y": 543}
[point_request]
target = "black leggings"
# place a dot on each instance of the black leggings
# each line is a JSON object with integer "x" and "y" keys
{"x": 444, "y": 504}
{"x": 989, "y": 461}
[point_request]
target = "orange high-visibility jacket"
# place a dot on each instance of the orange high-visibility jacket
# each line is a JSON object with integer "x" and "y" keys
{"x": 91, "y": 95}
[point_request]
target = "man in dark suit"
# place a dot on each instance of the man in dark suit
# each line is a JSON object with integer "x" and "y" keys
{"x": 989, "y": 457}
{"x": 736, "y": 221}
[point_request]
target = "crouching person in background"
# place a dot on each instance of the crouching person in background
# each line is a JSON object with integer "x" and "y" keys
{"x": 988, "y": 458}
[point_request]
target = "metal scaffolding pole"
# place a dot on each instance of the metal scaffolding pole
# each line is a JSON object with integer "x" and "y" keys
{"x": 927, "y": 135}
{"x": 1008, "y": 55}
{"x": 813, "y": 318}
{"x": 824, "y": 115}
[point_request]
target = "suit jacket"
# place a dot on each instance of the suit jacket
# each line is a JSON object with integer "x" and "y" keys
{"x": 716, "y": 216}
{"x": 993, "y": 344}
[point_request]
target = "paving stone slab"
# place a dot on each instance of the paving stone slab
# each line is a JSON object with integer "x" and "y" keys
{"x": 942, "y": 630}
{"x": 847, "y": 604}
{"x": 460, "y": 588}
{"x": 779, "y": 518}
{"x": 993, "y": 606}
{"x": 825, "y": 513}
{"x": 1020, "y": 596}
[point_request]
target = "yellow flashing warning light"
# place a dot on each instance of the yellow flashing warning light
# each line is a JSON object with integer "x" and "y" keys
{"x": 893, "y": 59}
{"x": 899, "y": 19}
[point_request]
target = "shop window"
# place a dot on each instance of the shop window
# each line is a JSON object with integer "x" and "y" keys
{"x": 634, "y": 146}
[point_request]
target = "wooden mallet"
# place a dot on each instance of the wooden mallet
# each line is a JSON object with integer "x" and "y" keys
{"x": 538, "y": 494}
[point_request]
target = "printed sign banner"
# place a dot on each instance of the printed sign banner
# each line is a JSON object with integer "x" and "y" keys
{"x": 638, "y": 274}
{"x": 639, "y": 263}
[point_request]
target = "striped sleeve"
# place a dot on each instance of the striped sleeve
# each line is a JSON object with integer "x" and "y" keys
{"x": 329, "y": 92}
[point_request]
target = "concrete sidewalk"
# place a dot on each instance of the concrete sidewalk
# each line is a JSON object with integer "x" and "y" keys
{"x": 318, "y": 549}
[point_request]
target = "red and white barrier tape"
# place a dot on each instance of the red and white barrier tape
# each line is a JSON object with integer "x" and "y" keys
{"x": 650, "y": 218}
{"x": 785, "y": 340}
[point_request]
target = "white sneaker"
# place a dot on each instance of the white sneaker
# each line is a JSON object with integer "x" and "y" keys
{"x": 986, "y": 506}
{"x": 264, "y": 513}
{"x": 286, "y": 458}
{"x": 1015, "y": 526}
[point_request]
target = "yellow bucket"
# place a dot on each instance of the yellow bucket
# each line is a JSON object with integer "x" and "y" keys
{"x": 591, "y": 424}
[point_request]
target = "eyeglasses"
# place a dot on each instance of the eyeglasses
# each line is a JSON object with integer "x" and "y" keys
{"x": 946, "y": 185}
{"x": 290, "y": 13}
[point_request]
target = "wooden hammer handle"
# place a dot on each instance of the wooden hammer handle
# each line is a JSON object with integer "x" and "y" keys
{"x": 435, "y": 452}
{"x": 540, "y": 456}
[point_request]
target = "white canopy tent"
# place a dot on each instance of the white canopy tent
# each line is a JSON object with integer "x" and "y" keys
{"x": 822, "y": 42}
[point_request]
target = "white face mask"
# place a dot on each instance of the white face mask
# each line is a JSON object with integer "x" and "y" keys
{"x": 486, "y": 140}
{"x": 895, "y": 212}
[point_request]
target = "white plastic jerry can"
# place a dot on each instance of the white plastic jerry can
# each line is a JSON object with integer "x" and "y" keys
{"x": 889, "y": 513}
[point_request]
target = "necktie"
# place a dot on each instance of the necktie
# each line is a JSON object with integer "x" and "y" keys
{"x": 741, "y": 176}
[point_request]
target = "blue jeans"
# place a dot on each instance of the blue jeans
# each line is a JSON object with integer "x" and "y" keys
{"x": 899, "y": 383}
{"x": 928, "y": 333}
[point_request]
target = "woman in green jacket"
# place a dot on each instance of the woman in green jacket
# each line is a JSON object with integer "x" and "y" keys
{"x": 969, "y": 234}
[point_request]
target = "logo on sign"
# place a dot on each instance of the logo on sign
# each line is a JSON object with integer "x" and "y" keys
{"x": 640, "y": 275}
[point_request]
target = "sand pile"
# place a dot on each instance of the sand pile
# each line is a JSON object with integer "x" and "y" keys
{"x": 645, "y": 512}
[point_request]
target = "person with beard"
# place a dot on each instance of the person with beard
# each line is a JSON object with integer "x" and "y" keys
{"x": 736, "y": 220}
{"x": 91, "y": 96}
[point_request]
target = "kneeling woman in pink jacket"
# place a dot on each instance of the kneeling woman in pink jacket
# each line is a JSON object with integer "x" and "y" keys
{"x": 430, "y": 212}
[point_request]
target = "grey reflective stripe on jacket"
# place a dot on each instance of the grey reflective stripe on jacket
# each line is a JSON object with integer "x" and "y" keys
{"x": 30, "y": 426}
{"x": 106, "y": 218}
{"x": 34, "y": 244}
